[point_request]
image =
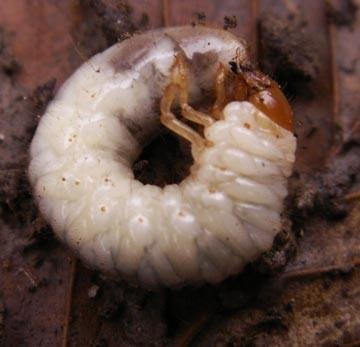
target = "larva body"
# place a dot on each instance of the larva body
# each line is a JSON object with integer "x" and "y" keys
{"x": 222, "y": 216}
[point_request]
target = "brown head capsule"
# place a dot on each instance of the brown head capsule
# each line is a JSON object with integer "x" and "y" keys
{"x": 246, "y": 83}
{"x": 274, "y": 104}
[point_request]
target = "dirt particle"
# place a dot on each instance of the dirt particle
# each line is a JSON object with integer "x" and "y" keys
{"x": 115, "y": 19}
{"x": 339, "y": 323}
{"x": 144, "y": 21}
{"x": 40, "y": 237}
{"x": 100, "y": 342}
{"x": 2, "y": 323}
{"x": 233, "y": 298}
{"x": 42, "y": 95}
{"x": 283, "y": 250}
{"x": 272, "y": 321}
{"x": 289, "y": 307}
{"x": 93, "y": 291}
{"x": 8, "y": 64}
{"x": 342, "y": 13}
{"x": 322, "y": 193}
{"x": 230, "y": 22}
{"x": 327, "y": 283}
{"x": 200, "y": 18}
{"x": 112, "y": 309}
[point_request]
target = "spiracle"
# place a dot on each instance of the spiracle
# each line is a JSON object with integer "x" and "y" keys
{"x": 219, "y": 218}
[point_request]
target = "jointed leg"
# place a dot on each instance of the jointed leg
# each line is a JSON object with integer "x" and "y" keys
{"x": 178, "y": 88}
{"x": 196, "y": 116}
{"x": 220, "y": 94}
{"x": 168, "y": 119}
{"x": 180, "y": 78}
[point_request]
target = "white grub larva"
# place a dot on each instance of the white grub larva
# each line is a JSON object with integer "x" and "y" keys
{"x": 219, "y": 218}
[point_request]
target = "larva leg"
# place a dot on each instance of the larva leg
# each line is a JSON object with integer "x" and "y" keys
{"x": 168, "y": 119}
{"x": 195, "y": 116}
{"x": 178, "y": 88}
{"x": 180, "y": 75}
{"x": 220, "y": 94}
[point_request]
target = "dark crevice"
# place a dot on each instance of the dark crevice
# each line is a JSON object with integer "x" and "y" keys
{"x": 166, "y": 160}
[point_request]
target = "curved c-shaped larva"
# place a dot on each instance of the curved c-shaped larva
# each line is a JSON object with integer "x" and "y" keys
{"x": 222, "y": 216}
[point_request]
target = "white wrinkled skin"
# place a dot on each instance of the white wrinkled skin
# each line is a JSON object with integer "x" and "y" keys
{"x": 222, "y": 216}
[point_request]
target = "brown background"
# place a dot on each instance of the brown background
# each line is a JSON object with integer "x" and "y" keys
{"x": 45, "y": 294}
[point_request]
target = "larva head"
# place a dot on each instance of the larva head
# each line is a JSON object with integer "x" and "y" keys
{"x": 264, "y": 93}
{"x": 274, "y": 104}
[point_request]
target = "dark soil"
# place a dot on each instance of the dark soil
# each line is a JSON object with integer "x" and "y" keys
{"x": 2, "y": 314}
{"x": 8, "y": 65}
{"x": 287, "y": 53}
{"x": 115, "y": 18}
{"x": 322, "y": 193}
{"x": 166, "y": 160}
{"x": 230, "y": 22}
{"x": 342, "y": 12}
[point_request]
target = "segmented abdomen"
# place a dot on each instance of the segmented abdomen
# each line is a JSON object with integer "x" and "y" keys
{"x": 217, "y": 220}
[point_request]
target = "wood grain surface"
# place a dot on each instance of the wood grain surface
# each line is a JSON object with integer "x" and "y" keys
{"x": 47, "y": 298}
